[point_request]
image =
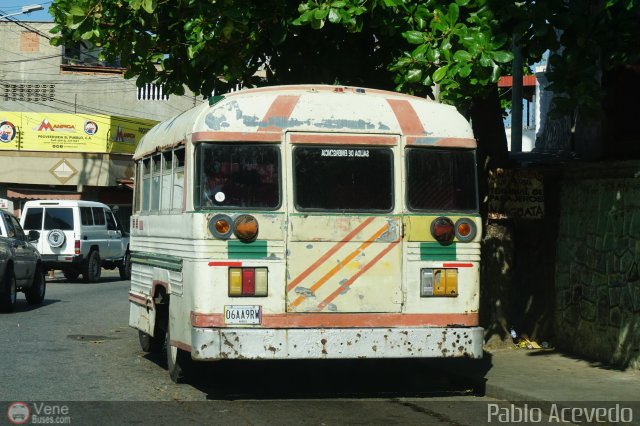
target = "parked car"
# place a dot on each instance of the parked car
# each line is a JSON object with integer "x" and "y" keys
{"x": 78, "y": 237}
{"x": 21, "y": 267}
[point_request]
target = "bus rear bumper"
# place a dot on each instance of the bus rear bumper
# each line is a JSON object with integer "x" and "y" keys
{"x": 245, "y": 343}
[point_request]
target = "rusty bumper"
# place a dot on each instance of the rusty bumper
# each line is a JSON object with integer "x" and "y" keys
{"x": 246, "y": 343}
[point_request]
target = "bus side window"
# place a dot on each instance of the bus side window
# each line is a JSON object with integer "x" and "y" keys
{"x": 178, "y": 178}
{"x": 156, "y": 169}
{"x": 165, "y": 182}
{"x": 146, "y": 183}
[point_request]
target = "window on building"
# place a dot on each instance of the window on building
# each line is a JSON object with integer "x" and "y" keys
{"x": 152, "y": 92}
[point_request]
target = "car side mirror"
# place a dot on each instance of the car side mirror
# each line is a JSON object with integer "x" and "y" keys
{"x": 33, "y": 236}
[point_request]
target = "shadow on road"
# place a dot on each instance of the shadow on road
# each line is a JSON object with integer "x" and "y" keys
{"x": 23, "y": 306}
{"x": 310, "y": 379}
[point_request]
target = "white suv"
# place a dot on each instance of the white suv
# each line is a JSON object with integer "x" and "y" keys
{"x": 78, "y": 237}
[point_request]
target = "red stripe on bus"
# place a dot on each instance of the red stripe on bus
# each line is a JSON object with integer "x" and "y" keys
{"x": 344, "y": 139}
{"x": 236, "y": 137}
{"x": 365, "y": 268}
{"x": 407, "y": 117}
{"x": 346, "y": 320}
{"x": 281, "y": 108}
{"x": 328, "y": 254}
{"x": 225, "y": 263}
{"x": 138, "y": 299}
{"x": 457, "y": 265}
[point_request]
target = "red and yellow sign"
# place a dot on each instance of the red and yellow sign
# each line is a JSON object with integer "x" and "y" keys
{"x": 35, "y": 131}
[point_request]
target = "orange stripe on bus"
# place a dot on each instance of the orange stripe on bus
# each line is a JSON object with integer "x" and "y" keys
{"x": 342, "y": 264}
{"x": 346, "y": 320}
{"x": 328, "y": 254}
{"x": 281, "y": 108}
{"x": 407, "y": 117}
{"x": 351, "y": 280}
{"x": 236, "y": 137}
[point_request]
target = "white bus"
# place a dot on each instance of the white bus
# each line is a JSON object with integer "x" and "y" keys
{"x": 307, "y": 222}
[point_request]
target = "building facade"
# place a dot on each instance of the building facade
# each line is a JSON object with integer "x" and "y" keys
{"x": 69, "y": 123}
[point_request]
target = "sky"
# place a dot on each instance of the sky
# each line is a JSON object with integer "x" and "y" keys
{"x": 15, "y": 6}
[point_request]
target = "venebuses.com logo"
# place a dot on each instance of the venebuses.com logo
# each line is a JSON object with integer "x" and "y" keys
{"x": 20, "y": 413}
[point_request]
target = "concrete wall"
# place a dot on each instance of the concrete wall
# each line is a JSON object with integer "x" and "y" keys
{"x": 597, "y": 279}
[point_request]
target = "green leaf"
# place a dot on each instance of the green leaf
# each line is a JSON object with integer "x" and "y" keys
{"x": 462, "y": 2}
{"x": 414, "y": 37}
{"x": 453, "y": 14}
{"x": 338, "y": 4}
{"x": 440, "y": 73}
{"x": 334, "y": 16}
{"x": 465, "y": 71}
{"x": 321, "y": 13}
{"x": 414, "y": 75}
{"x": 462, "y": 56}
{"x": 87, "y": 35}
{"x": 77, "y": 11}
{"x": 149, "y": 6}
{"x": 501, "y": 56}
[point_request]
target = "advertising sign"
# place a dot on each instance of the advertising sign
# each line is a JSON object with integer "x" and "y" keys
{"x": 35, "y": 131}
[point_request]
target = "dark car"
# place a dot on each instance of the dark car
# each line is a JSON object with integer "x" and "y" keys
{"x": 21, "y": 267}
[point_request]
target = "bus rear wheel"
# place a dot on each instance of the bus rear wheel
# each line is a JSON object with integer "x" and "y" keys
{"x": 179, "y": 362}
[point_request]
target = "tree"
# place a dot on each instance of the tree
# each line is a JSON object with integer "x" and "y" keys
{"x": 463, "y": 46}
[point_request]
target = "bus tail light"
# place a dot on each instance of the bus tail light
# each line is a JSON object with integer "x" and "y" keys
{"x": 466, "y": 230}
{"x": 245, "y": 227}
{"x": 438, "y": 282}
{"x": 442, "y": 230}
{"x": 76, "y": 247}
{"x": 220, "y": 226}
{"x": 248, "y": 282}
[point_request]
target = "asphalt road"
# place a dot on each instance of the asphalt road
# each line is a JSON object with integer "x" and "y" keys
{"x": 77, "y": 351}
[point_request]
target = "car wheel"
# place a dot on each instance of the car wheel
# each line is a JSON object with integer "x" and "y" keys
{"x": 125, "y": 267}
{"x": 92, "y": 269}
{"x": 9, "y": 294}
{"x": 179, "y": 362}
{"x": 71, "y": 274}
{"x": 35, "y": 293}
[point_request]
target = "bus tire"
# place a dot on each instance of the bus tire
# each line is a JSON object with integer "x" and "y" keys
{"x": 35, "y": 293}
{"x": 91, "y": 268}
{"x": 150, "y": 343}
{"x": 179, "y": 362}
{"x": 9, "y": 292}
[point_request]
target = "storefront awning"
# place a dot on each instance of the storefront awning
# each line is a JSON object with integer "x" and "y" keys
{"x": 37, "y": 195}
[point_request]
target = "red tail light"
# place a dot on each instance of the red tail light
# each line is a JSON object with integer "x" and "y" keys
{"x": 443, "y": 230}
{"x": 248, "y": 281}
{"x": 76, "y": 247}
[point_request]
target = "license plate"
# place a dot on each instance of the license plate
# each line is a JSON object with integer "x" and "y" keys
{"x": 242, "y": 314}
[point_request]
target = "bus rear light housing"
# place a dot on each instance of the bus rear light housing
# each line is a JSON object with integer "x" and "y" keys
{"x": 245, "y": 228}
{"x": 221, "y": 226}
{"x": 248, "y": 282}
{"x": 438, "y": 282}
{"x": 442, "y": 230}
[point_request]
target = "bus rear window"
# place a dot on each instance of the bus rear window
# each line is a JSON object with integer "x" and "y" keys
{"x": 238, "y": 175}
{"x": 345, "y": 178}
{"x": 441, "y": 180}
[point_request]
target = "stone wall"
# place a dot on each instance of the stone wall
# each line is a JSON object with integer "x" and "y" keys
{"x": 597, "y": 281}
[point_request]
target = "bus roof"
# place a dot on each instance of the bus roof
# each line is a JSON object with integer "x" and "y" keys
{"x": 263, "y": 114}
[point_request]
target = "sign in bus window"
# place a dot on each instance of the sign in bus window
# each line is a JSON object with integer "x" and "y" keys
{"x": 238, "y": 175}
{"x": 443, "y": 180}
{"x": 343, "y": 178}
